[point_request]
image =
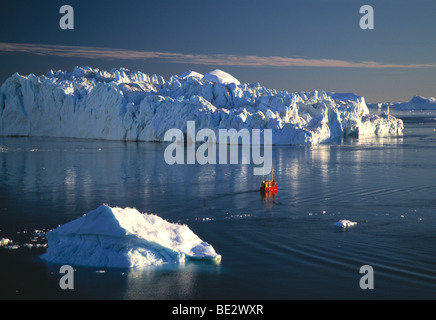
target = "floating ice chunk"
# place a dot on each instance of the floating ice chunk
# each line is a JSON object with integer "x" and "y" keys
{"x": 344, "y": 224}
{"x": 12, "y": 247}
{"x": 116, "y": 237}
{"x": 5, "y": 242}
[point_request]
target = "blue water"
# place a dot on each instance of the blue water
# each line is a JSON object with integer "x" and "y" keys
{"x": 283, "y": 247}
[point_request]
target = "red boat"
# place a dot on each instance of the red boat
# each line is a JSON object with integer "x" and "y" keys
{"x": 269, "y": 186}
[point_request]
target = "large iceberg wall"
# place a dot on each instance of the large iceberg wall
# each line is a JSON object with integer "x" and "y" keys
{"x": 130, "y": 105}
{"x": 124, "y": 238}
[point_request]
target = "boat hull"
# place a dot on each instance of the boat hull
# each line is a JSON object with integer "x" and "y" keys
{"x": 269, "y": 189}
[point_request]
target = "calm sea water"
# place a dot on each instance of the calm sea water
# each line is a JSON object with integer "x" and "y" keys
{"x": 283, "y": 247}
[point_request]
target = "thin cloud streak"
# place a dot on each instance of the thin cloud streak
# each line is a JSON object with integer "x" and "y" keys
{"x": 200, "y": 59}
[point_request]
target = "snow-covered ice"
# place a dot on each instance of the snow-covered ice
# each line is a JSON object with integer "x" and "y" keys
{"x": 130, "y": 105}
{"x": 193, "y": 74}
{"x": 116, "y": 237}
{"x": 220, "y": 76}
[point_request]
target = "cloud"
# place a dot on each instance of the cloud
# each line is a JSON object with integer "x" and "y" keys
{"x": 200, "y": 59}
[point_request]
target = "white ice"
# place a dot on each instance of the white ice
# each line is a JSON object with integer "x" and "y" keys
{"x": 116, "y": 237}
{"x": 344, "y": 223}
{"x": 220, "y": 76}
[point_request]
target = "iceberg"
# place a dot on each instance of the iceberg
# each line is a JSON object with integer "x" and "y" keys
{"x": 416, "y": 103}
{"x": 124, "y": 238}
{"x": 133, "y": 106}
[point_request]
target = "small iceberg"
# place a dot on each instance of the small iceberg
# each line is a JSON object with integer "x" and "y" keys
{"x": 119, "y": 238}
{"x": 345, "y": 224}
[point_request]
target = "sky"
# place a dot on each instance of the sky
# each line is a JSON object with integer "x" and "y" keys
{"x": 283, "y": 44}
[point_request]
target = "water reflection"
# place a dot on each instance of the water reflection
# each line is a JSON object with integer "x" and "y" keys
{"x": 47, "y": 182}
{"x": 90, "y": 172}
{"x": 179, "y": 281}
{"x": 321, "y": 158}
{"x": 167, "y": 282}
{"x": 269, "y": 199}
